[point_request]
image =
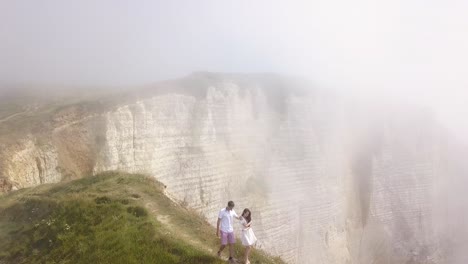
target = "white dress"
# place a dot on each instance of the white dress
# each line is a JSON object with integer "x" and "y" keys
{"x": 248, "y": 237}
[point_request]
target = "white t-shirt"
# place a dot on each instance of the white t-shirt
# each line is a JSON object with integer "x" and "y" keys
{"x": 227, "y": 218}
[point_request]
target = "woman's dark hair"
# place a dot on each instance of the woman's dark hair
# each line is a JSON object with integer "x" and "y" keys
{"x": 248, "y": 218}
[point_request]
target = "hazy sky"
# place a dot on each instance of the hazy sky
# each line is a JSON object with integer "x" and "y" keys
{"x": 416, "y": 50}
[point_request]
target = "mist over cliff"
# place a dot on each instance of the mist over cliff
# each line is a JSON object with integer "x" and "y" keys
{"x": 330, "y": 178}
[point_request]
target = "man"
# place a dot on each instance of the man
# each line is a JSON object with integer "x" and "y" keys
{"x": 225, "y": 221}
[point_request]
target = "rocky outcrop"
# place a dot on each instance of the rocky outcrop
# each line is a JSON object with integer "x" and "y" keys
{"x": 327, "y": 181}
{"x": 30, "y": 164}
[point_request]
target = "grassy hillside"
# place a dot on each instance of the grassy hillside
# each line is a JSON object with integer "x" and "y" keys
{"x": 111, "y": 218}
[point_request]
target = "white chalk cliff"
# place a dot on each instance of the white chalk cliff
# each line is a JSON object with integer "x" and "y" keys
{"x": 328, "y": 180}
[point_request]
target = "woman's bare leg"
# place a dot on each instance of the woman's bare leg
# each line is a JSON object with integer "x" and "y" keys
{"x": 247, "y": 252}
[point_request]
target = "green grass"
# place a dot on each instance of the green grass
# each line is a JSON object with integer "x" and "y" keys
{"x": 110, "y": 218}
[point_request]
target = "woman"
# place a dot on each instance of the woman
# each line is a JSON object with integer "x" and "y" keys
{"x": 248, "y": 237}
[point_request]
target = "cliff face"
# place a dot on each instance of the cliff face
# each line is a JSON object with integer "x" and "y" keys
{"x": 327, "y": 181}
{"x": 31, "y": 165}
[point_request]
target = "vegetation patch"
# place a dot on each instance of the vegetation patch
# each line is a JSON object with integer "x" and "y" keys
{"x": 137, "y": 211}
{"x": 102, "y": 200}
{"x": 75, "y": 223}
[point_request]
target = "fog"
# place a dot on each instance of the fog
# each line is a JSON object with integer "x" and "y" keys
{"x": 414, "y": 52}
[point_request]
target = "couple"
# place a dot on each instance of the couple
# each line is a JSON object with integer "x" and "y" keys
{"x": 225, "y": 220}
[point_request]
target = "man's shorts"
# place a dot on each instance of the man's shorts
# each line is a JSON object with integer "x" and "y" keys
{"x": 227, "y": 237}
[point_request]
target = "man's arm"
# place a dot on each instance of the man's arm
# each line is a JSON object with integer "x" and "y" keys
{"x": 235, "y": 215}
{"x": 217, "y": 227}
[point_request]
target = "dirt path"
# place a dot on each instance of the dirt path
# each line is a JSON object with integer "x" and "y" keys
{"x": 166, "y": 221}
{"x": 177, "y": 231}
{"x": 12, "y": 116}
{"x": 64, "y": 126}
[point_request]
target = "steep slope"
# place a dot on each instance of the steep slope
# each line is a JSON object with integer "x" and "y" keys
{"x": 109, "y": 218}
